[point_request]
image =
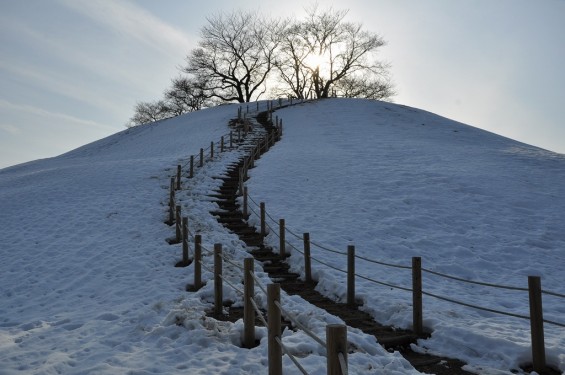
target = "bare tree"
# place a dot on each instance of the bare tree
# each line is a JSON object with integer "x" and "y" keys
{"x": 145, "y": 112}
{"x": 235, "y": 55}
{"x": 322, "y": 50}
{"x": 185, "y": 95}
{"x": 360, "y": 87}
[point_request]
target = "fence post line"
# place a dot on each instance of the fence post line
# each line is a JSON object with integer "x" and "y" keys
{"x": 191, "y": 172}
{"x": 248, "y": 310}
{"x": 307, "y": 260}
{"x": 185, "y": 240}
{"x": 222, "y": 144}
{"x": 274, "y": 323}
{"x": 282, "y": 242}
{"x": 336, "y": 342}
{"x": 536, "y": 324}
{"x": 245, "y": 201}
{"x": 218, "y": 284}
{"x": 178, "y": 222}
{"x": 211, "y": 150}
{"x": 417, "y": 313}
{"x": 351, "y": 275}
{"x": 231, "y": 139}
{"x": 197, "y": 260}
{"x": 201, "y": 157}
{"x": 178, "y": 176}
{"x": 263, "y": 226}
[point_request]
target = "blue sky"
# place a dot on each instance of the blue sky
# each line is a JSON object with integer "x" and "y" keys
{"x": 72, "y": 70}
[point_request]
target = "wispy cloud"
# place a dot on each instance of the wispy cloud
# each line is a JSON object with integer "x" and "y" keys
{"x": 61, "y": 85}
{"x": 48, "y": 115}
{"x": 129, "y": 19}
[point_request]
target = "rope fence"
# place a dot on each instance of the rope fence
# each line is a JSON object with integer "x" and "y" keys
{"x": 534, "y": 286}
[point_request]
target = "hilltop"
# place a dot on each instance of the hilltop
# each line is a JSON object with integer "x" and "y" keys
{"x": 89, "y": 283}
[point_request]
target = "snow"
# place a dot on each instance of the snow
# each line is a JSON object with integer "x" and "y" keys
{"x": 88, "y": 283}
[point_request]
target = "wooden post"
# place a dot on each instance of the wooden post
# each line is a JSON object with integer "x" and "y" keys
{"x": 218, "y": 282}
{"x": 240, "y": 189}
{"x": 178, "y": 222}
{"x": 245, "y": 202}
{"x": 336, "y": 342}
{"x": 274, "y": 323}
{"x": 197, "y": 260}
{"x": 307, "y": 259}
{"x": 178, "y": 176}
{"x": 185, "y": 240}
{"x": 257, "y": 106}
{"x": 248, "y": 310}
{"x": 351, "y": 275}
{"x": 536, "y": 324}
{"x": 282, "y": 242}
{"x": 172, "y": 202}
{"x": 231, "y": 139}
{"x": 222, "y": 144}
{"x": 417, "y": 313}
{"x": 201, "y": 157}
{"x": 263, "y": 226}
{"x": 211, "y": 150}
{"x": 191, "y": 173}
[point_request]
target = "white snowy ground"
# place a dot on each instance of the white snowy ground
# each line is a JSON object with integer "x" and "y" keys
{"x": 87, "y": 283}
{"x": 398, "y": 182}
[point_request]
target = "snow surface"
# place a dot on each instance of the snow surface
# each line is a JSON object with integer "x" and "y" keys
{"x": 88, "y": 283}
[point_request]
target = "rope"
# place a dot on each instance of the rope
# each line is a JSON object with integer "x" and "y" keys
{"x": 476, "y": 307}
{"x": 259, "y": 312}
{"x": 383, "y": 283}
{"x": 292, "y": 358}
{"x": 475, "y": 282}
{"x": 383, "y": 263}
{"x": 342, "y": 363}
{"x": 300, "y": 325}
{"x": 553, "y": 294}
{"x": 231, "y": 262}
{"x": 258, "y": 282}
{"x": 206, "y": 268}
{"x": 327, "y": 265}
{"x": 327, "y": 249}
{"x": 231, "y": 285}
{"x": 554, "y": 323}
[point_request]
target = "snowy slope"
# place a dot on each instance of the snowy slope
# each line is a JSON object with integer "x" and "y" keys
{"x": 87, "y": 283}
{"x": 398, "y": 182}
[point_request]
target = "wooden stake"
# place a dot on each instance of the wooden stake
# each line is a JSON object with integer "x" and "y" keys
{"x": 417, "y": 313}
{"x": 282, "y": 242}
{"x": 336, "y": 342}
{"x": 248, "y": 310}
{"x": 178, "y": 176}
{"x": 274, "y": 323}
{"x": 263, "y": 226}
{"x": 351, "y": 275}
{"x": 218, "y": 282}
{"x": 185, "y": 240}
{"x": 536, "y": 324}
{"x": 307, "y": 259}
{"x": 197, "y": 260}
{"x": 191, "y": 173}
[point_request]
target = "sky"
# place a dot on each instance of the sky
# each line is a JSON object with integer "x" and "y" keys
{"x": 71, "y": 71}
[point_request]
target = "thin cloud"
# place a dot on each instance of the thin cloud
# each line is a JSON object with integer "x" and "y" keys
{"x": 126, "y": 18}
{"x": 58, "y": 85}
{"x": 40, "y": 112}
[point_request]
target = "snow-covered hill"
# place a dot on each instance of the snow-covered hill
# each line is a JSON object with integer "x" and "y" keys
{"x": 87, "y": 280}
